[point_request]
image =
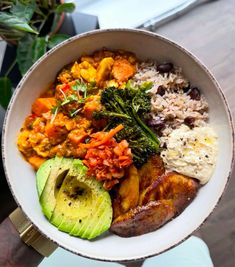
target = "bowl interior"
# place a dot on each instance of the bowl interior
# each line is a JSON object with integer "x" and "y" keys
{"x": 21, "y": 177}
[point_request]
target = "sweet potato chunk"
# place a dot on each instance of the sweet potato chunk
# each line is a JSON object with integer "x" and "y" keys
{"x": 127, "y": 194}
{"x": 143, "y": 219}
{"x": 43, "y": 105}
{"x": 92, "y": 104}
{"x": 179, "y": 188}
{"x": 36, "y": 161}
{"x": 123, "y": 70}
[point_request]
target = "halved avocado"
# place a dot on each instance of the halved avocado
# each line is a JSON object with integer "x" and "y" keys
{"x": 75, "y": 203}
{"x": 59, "y": 169}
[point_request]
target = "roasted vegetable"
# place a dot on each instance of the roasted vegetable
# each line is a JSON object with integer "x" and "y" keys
{"x": 180, "y": 188}
{"x": 43, "y": 105}
{"x": 149, "y": 173}
{"x": 126, "y": 196}
{"x": 128, "y": 107}
{"x": 143, "y": 219}
{"x": 123, "y": 70}
{"x": 162, "y": 200}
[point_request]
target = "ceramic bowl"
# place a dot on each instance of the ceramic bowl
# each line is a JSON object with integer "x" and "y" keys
{"x": 145, "y": 45}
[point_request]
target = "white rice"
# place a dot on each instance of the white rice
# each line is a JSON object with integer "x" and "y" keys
{"x": 174, "y": 106}
{"x": 147, "y": 72}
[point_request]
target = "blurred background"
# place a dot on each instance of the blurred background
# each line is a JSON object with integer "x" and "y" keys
{"x": 206, "y": 28}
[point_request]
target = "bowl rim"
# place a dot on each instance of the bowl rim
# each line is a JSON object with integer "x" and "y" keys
{"x": 100, "y": 31}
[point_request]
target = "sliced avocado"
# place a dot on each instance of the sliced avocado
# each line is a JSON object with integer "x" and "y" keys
{"x": 66, "y": 199}
{"x": 98, "y": 222}
{"x": 43, "y": 174}
{"x": 58, "y": 172}
{"x": 73, "y": 202}
{"x": 82, "y": 204}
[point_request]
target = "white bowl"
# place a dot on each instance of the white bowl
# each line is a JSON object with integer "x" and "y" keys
{"x": 145, "y": 45}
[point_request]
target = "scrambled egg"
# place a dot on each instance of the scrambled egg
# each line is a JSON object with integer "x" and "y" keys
{"x": 192, "y": 152}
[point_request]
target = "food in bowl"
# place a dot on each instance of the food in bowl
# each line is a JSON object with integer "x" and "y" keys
{"x": 119, "y": 144}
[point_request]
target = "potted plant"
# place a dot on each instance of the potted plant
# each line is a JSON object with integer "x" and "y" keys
{"x": 31, "y": 27}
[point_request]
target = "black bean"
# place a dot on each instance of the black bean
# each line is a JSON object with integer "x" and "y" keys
{"x": 161, "y": 90}
{"x": 165, "y": 67}
{"x": 189, "y": 121}
{"x": 160, "y": 126}
{"x": 164, "y": 146}
{"x": 157, "y": 125}
{"x": 194, "y": 93}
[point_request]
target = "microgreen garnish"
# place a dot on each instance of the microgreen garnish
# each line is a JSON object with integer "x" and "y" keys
{"x": 80, "y": 86}
{"x": 74, "y": 112}
{"x": 54, "y": 112}
{"x": 62, "y": 92}
{"x": 69, "y": 99}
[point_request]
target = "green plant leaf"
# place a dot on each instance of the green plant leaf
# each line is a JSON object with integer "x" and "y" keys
{"x": 56, "y": 39}
{"x": 23, "y": 11}
{"x": 15, "y": 22}
{"x": 29, "y": 50}
{"x": 24, "y": 53}
{"x": 38, "y": 48}
{"x": 55, "y": 22}
{"x": 44, "y": 3}
{"x": 5, "y": 91}
{"x": 66, "y": 7}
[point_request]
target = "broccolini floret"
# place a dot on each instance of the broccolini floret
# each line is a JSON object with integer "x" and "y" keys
{"x": 129, "y": 106}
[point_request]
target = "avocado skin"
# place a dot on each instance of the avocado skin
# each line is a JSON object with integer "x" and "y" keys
{"x": 80, "y": 206}
{"x": 43, "y": 174}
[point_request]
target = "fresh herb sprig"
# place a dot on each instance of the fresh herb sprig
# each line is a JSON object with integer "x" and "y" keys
{"x": 78, "y": 87}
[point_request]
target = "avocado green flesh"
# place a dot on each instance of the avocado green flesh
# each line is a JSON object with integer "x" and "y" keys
{"x": 47, "y": 198}
{"x": 69, "y": 205}
{"x": 96, "y": 224}
{"x": 73, "y": 202}
{"x": 104, "y": 222}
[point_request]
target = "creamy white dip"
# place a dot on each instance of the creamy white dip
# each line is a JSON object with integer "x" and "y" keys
{"x": 192, "y": 152}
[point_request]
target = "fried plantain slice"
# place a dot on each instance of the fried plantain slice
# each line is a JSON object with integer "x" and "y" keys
{"x": 149, "y": 173}
{"x": 143, "y": 219}
{"x": 180, "y": 188}
{"x": 127, "y": 193}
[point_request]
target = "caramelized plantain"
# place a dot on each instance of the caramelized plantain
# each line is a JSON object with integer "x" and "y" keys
{"x": 180, "y": 188}
{"x": 127, "y": 193}
{"x": 143, "y": 219}
{"x": 164, "y": 199}
{"x": 149, "y": 173}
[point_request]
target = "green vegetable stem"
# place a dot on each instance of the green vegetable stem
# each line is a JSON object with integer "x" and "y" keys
{"x": 129, "y": 106}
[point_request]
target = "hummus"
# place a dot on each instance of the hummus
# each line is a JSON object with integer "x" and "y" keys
{"x": 192, "y": 152}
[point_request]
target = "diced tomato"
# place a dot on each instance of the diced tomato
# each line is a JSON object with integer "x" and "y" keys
{"x": 65, "y": 88}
